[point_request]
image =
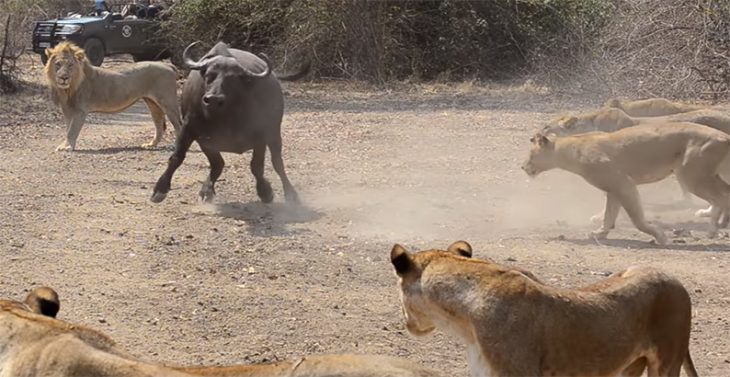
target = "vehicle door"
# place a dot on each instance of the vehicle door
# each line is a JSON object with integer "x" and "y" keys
{"x": 121, "y": 36}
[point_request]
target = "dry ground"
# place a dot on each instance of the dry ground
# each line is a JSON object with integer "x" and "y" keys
{"x": 239, "y": 281}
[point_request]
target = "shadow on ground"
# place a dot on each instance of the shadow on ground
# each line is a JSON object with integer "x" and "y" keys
{"x": 675, "y": 244}
{"x": 264, "y": 220}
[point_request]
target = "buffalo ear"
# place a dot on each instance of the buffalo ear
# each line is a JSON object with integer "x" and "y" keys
{"x": 401, "y": 259}
{"x": 460, "y": 248}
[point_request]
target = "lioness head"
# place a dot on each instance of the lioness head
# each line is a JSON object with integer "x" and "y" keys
{"x": 613, "y": 103}
{"x": 541, "y": 155}
{"x": 65, "y": 66}
{"x": 563, "y": 125}
{"x": 408, "y": 268}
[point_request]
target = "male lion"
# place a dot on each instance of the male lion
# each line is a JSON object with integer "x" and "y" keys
{"x": 651, "y": 107}
{"x": 616, "y": 162}
{"x": 33, "y": 344}
{"x": 80, "y": 88}
{"x": 513, "y": 325}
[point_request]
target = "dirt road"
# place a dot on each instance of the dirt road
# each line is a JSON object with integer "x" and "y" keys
{"x": 239, "y": 281}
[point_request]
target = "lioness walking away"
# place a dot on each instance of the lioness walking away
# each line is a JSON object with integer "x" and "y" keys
{"x": 618, "y": 161}
{"x": 80, "y": 88}
{"x": 513, "y": 325}
{"x": 650, "y": 107}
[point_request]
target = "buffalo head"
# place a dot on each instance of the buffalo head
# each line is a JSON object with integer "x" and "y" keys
{"x": 224, "y": 77}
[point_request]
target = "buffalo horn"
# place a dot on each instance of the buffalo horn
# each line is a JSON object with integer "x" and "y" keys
{"x": 189, "y": 62}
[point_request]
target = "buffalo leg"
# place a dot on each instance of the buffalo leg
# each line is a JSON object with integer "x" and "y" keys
{"x": 263, "y": 187}
{"x": 207, "y": 192}
{"x": 181, "y": 148}
{"x": 289, "y": 192}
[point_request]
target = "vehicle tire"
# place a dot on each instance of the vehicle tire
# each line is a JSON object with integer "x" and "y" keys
{"x": 44, "y": 58}
{"x": 94, "y": 51}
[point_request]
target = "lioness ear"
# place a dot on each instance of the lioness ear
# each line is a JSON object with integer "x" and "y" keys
{"x": 613, "y": 102}
{"x": 401, "y": 260}
{"x": 48, "y": 52}
{"x": 44, "y": 301}
{"x": 540, "y": 139}
{"x": 569, "y": 122}
{"x": 460, "y": 248}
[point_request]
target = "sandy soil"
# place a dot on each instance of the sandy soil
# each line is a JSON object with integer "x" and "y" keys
{"x": 239, "y": 281}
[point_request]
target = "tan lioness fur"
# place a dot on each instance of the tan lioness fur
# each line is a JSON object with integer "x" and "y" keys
{"x": 33, "y": 345}
{"x": 513, "y": 325}
{"x": 609, "y": 120}
{"x": 616, "y": 162}
{"x": 651, "y": 107}
{"x": 80, "y": 88}
{"x": 612, "y": 119}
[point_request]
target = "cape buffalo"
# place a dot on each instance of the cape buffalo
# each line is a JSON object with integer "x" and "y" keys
{"x": 231, "y": 102}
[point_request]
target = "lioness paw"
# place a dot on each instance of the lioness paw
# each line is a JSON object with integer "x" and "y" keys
{"x": 704, "y": 212}
{"x": 65, "y": 146}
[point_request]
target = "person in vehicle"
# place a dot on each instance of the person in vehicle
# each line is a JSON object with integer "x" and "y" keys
{"x": 100, "y": 6}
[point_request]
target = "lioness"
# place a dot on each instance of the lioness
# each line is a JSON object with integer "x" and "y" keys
{"x": 616, "y": 162}
{"x": 611, "y": 119}
{"x": 651, "y": 107}
{"x": 80, "y": 88}
{"x": 514, "y": 325}
{"x": 33, "y": 344}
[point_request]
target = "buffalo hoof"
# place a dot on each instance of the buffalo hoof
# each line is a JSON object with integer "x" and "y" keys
{"x": 292, "y": 197}
{"x": 268, "y": 197}
{"x": 158, "y": 197}
{"x": 207, "y": 196}
{"x": 264, "y": 191}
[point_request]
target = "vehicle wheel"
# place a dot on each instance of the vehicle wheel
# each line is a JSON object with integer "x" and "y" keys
{"x": 94, "y": 51}
{"x": 44, "y": 58}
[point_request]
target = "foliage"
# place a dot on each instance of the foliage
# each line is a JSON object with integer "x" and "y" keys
{"x": 390, "y": 39}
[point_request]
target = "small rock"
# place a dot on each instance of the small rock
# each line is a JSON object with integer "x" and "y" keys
{"x": 102, "y": 320}
{"x": 511, "y": 259}
{"x": 251, "y": 270}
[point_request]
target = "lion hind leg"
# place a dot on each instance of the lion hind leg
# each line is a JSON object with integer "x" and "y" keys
{"x": 701, "y": 178}
{"x": 158, "y": 117}
{"x": 172, "y": 110}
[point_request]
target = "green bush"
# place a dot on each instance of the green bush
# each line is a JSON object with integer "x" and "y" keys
{"x": 383, "y": 40}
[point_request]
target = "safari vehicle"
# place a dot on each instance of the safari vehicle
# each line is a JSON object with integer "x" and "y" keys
{"x": 102, "y": 36}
